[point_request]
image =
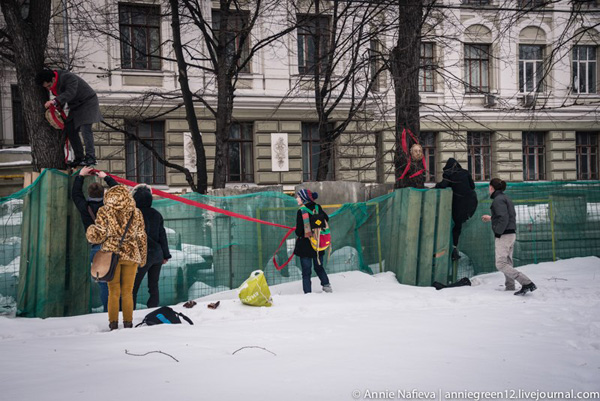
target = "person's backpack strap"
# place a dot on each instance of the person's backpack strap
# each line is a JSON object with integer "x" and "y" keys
{"x": 140, "y": 323}
{"x": 187, "y": 319}
{"x": 91, "y": 212}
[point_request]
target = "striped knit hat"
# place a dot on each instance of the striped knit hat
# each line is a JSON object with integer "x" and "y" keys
{"x": 307, "y": 195}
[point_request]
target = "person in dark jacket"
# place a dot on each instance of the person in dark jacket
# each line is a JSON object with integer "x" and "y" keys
{"x": 504, "y": 225}
{"x": 308, "y": 256}
{"x": 158, "y": 246}
{"x": 88, "y": 209}
{"x": 464, "y": 198}
{"x": 84, "y": 110}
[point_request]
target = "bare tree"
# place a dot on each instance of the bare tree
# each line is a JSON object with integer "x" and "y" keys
{"x": 24, "y": 43}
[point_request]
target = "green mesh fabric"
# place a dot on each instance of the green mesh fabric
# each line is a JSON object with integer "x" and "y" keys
{"x": 44, "y": 258}
{"x": 555, "y": 220}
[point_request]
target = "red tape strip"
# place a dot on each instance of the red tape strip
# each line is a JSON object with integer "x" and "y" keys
{"x": 216, "y": 210}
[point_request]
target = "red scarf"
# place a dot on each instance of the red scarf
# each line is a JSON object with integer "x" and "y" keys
{"x": 53, "y": 87}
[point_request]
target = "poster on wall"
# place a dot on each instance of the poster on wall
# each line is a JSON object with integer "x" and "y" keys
{"x": 189, "y": 153}
{"x": 279, "y": 152}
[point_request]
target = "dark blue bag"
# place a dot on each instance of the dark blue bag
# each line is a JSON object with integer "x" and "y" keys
{"x": 164, "y": 315}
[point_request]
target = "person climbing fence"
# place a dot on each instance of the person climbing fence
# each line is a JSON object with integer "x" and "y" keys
{"x": 464, "y": 198}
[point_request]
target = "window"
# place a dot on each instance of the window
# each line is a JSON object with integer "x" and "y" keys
{"x": 428, "y": 144}
{"x": 239, "y": 153}
{"x": 584, "y": 69}
{"x": 142, "y": 166}
{"x": 479, "y": 155}
{"x": 531, "y": 68}
{"x": 236, "y": 24}
{"x": 139, "y": 26}
{"x": 587, "y": 156}
{"x": 579, "y": 4}
{"x": 426, "y": 83}
{"x": 531, "y": 3}
{"x": 533, "y": 156}
{"x": 19, "y": 131}
{"x": 375, "y": 63}
{"x": 311, "y": 153}
{"x": 313, "y": 43}
{"x": 477, "y": 66}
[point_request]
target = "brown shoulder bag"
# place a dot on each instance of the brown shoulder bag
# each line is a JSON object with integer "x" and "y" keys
{"x": 105, "y": 263}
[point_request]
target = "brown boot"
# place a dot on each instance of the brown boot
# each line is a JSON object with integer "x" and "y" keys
{"x": 127, "y": 325}
{"x": 113, "y": 326}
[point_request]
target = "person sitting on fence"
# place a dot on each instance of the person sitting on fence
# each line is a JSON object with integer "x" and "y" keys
{"x": 158, "y": 247}
{"x": 308, "y": 213}
{"x": 504, "y": 225}
{"x": 464, "y": 198}
{"x": 111, "y": 221}
{"x": 84, "y": 110}
{"x": 88, "y": 209}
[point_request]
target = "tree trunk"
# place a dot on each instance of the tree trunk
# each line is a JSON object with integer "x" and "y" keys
{"x": 190, "y": 112}
{"x": 29, "y": 34}
{"x": 224, "y": 113}
{"x": 325, "y": 152}
{"x": 405, "y": 60}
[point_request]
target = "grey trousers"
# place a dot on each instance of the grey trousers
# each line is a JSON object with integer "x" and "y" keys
{"x": 504, "y": 262}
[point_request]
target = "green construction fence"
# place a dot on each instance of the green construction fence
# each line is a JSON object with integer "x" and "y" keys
{"x": 44, "y": 260}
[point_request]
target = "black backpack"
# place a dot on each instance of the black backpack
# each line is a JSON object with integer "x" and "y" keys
{"x": 164, "y": 315}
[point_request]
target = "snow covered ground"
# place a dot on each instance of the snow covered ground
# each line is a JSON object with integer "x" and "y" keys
{"x": 371, "y": 339}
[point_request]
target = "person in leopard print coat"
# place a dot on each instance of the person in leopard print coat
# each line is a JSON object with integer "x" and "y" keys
{"x": 107, "y": 230}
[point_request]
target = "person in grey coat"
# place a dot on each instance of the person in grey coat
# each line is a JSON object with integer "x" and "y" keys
{"x": 504, "y": 225}
{"x": 84, "y": 110}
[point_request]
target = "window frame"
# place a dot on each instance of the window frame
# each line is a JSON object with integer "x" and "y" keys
{"x": 481, "y": 151}
{"x": 244, "y": 176}
{"x": 590, "y": 65}
{"x": 538, "y": 151}
{"x": 236, "y": 17}
{"x": 427, "y": 140}
{"x": 131, "y": 27}
{"x": 528, "y": 4}
{"x": 427, "y": 68}
{"x": 592, "y": 151}
{"x": 539, "y": 85}
{"x": 312, "y": 129}
{"x": 306, "y": 66}
{"x": 132, "y": 148}
{"x": 18, "y": 119}
{"x": 482, "y": 63}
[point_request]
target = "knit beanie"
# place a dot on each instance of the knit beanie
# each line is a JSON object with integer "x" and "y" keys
{"x": 307, "y": 195}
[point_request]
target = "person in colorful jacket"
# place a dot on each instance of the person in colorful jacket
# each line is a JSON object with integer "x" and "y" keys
{"x": 84, "y": 110}
{"x": 309, "y": 210}
{"x": 504, "y": 225}
{"x": 119, "y": 208}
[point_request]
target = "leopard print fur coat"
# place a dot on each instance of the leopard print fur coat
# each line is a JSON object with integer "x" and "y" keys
{"x": 110, "y": 224}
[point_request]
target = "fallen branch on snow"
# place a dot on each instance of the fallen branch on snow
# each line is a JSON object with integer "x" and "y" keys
{"x": 253, "y": 346}
{"x": 151, "y": 352}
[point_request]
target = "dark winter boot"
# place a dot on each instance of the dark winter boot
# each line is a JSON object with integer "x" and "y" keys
{"x": 127, "y": 325}
{"x": 526, "y": 288}
{"x": 113, "y": 326}
{"x": 455, "y": 254}
{"x": 89, "y": 161}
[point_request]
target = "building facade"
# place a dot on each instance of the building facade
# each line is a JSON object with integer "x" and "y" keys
{"x": 507, "y": 95}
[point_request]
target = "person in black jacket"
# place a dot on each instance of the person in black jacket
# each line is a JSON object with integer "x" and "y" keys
{"x": 308, "y": 256}
{"x": 158, "y": 246}
{"x": 504, "y": 225}
{"x": 464, "y": 198}
{"x": 84, "y": 110}
{"x": 88, "y": 209}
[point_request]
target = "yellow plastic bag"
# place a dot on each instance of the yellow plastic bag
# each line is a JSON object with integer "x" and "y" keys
{"x": 255, "y": 291}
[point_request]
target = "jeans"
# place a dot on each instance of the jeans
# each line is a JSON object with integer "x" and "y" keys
{"x": 153, "y": 276}
{"x": 103, "y": 286}
{"x": 75, "y": 141}
{"x": 306, "y": 264}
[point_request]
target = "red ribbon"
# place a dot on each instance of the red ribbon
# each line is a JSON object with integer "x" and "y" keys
{"x": 216, "y": 210}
